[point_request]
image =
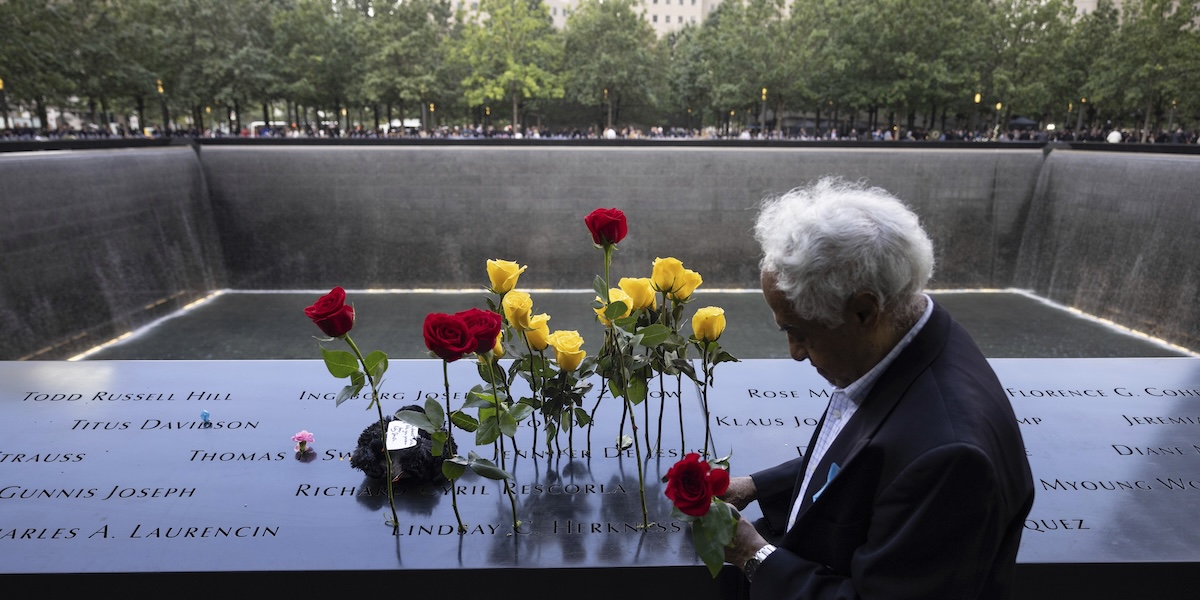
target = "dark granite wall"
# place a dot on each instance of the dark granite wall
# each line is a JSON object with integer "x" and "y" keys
{"x": 1118, "y": 236}
{"x": 98, "y": 242}
{"x": 95, "y": 243}
{"x": 419, "y": 216}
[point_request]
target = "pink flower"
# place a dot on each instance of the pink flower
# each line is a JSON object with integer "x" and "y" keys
{"x": 302, "y": 439}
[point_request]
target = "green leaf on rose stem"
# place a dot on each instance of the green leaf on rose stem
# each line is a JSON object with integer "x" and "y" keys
{"x": 508, "y": 425}
{"x": 615, "y": 310}
{"x": 486, "y": 468}
{"x": 418, "y": 420}
{"x": 477, "y": 398}
{"x": 454, "y": 467}
{"x": 637, "y": 389}
{"x": 615, "y": 389}
{"x": 711, "y": 551}
{"x": 654, "y": 335}
{"x": 339, "y": 362}
{"x": 464, "y": 421}
{"x": 582, "y": 417}
{"x": 624, "y": 442}
{"x": 600, "y": 286}
{"x": 439, "y": 438}
{"x": 723, "y": 356}
{"x": 376, "y": 363}
{"x": 521, "y": 411}
{"x": 719, "y": 522}
{"x": 347, "y": 393}
{"x": 434, "y": 411}
{"x": 488, "y": 432}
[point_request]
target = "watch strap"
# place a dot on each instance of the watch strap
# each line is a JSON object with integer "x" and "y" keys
{"x": 755, "y": 561}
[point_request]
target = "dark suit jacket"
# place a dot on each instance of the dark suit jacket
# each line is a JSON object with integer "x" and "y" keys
{"x": 932, "y": 491}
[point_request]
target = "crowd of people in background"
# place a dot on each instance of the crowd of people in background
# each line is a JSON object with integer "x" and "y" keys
{"x": 1107, "y": 134}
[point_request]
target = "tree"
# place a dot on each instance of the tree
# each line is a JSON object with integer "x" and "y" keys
{"x": 404, "y": 64}
{"x": 1152, "y": 60}
{"x": 610, "y": 52}
{"x": 511, "y": 51}
{"x": 1089, "y": 37}
{"x": 320, "y": 45}
{"x": 35, "y": 38}
{"x": 1029, "y": 54}
{"x": 685, "y": 67}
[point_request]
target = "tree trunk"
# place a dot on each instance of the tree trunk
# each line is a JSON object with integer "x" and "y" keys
{"x": 515, "y": 105}
{"x": 40, "y": 107}
{"x": 1146, "y": 122}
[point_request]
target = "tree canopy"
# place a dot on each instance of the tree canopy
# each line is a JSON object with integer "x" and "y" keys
{"x": 776, "y": 63}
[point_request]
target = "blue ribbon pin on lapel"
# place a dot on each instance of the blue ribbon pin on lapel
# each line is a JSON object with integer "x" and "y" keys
{"x": 833, "y": 471}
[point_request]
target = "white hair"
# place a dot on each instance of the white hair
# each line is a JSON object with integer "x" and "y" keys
{"x": 830, "y": 240}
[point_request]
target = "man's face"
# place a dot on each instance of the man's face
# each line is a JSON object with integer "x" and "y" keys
{"x": 837, "y": 354}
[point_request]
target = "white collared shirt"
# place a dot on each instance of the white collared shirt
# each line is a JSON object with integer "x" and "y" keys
{"x": 844, "y": 402}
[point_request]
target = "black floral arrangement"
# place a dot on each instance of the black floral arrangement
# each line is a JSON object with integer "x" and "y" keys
{"x": 415, "y": 462}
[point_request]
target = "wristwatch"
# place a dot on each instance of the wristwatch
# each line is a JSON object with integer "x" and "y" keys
{"x": 753, "y": 562}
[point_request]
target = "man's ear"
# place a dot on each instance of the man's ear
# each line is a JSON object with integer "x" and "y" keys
{"x": 864, "y": 308}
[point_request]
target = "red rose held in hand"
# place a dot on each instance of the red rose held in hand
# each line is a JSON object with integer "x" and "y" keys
{"x": 331, "y": 314}
{"x": 692, "y": 483}
{"x": 484, "y": 326}
{"x": 607, "y": 226}
{"x": 448, "y": 336}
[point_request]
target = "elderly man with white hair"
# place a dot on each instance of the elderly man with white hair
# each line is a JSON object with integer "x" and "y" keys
{"x": 915, "y": 483}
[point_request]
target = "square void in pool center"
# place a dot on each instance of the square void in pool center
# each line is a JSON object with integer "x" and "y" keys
{"x": 235, "y": 325}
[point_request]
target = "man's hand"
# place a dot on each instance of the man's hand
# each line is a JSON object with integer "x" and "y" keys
{"x": 741, "y": 492}
{"x": 746, "y": 541}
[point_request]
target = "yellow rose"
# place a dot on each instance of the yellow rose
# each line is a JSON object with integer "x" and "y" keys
{"x": 498, "y": 349}
{"x": 568, "y": 349}
{"x": 708, "y": 323}
{"x": 517, "y": 306}
{"x": 503, "y": 274}
{"x": 640, "y": 291}
{"x": 666, "y": 271}
{"x": 686, "y": 283}
{"x": 539, "y": 331}
{"x": 614, "y": 295}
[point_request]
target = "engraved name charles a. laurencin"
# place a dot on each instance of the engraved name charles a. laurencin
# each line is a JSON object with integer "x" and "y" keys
{"x": 139, "y": 531}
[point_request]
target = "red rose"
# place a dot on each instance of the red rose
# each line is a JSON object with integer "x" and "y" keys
{"x": 331, "y": 314}
{"x": 448, "y": 336}
{"x": 484, "y": 325}
{"x": 607, "y": 226}
{"x": 692, "y": 483}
